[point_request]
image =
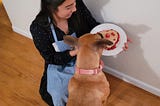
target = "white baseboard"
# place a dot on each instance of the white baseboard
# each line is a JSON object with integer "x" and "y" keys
{"x": 132, "y": 80}
{"x": 22, "y": 32}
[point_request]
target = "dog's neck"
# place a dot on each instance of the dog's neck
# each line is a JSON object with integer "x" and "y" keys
{"x": 90, "y": 71}
{"x": 87, "y": 58}
{"x": 87, "y": 63}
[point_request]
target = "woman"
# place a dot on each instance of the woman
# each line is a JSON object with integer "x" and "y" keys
{"x": 56, "y": 19}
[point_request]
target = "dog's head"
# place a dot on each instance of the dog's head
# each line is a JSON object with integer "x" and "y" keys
{"x": 90, "y": 48}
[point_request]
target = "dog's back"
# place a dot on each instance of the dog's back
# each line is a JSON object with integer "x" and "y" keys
{"x": 88, "y": 90}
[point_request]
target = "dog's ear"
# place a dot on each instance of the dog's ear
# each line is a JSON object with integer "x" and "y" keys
{"x": 70, "y": 40}
{"x": 102, "y": 43}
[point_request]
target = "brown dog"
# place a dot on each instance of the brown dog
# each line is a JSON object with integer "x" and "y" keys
{"x": 88, "y": 86}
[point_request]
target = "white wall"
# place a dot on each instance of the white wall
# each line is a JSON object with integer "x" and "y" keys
{"x": 140, "y": 65}
{"x": 21, "y": 14}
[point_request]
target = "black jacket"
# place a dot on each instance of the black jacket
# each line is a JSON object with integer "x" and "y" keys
{"x": 80, "y": 22}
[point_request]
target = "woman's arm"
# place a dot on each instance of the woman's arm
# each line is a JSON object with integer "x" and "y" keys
{"x": 43, "y": 43}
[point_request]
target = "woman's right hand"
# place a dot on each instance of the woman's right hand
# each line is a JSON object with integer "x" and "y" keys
{"x": 74, "y": 51}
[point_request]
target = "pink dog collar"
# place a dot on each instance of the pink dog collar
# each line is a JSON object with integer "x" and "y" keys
{"x": 91, "y": 71}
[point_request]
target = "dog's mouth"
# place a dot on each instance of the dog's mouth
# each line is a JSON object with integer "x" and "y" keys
{"x": 108, "y": 42}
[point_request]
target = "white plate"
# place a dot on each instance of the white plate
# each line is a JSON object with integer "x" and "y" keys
{"x": 122, "y": 40}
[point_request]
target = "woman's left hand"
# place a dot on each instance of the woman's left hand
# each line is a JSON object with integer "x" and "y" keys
{"x": 125, "y": 48}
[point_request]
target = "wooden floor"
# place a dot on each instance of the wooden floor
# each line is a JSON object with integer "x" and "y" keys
{"x": 21, "y": 68}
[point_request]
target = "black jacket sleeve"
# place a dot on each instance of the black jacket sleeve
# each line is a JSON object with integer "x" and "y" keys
{"x": 42, "y": 40}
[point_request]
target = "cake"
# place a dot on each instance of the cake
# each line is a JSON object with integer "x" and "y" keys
{"x": 113, "y": 36}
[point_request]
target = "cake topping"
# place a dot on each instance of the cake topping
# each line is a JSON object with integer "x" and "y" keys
{"x": 113, "y": 36}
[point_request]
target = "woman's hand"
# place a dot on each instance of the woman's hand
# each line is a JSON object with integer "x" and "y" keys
{"x": 74, "y": 51}
{"x": 125, "y": 48}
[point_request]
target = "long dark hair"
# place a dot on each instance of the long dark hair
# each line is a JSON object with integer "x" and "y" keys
{"x": 48, "y": 7}
{"x": 78, "y": 21}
